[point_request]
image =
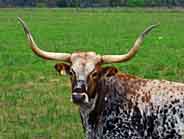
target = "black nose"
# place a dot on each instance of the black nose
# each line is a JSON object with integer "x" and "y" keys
{"x": 78, "y": 98}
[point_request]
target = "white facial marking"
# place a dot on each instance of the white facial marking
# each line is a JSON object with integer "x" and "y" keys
{"x": 84, "y": 63}
{"x": 86, "y": 98}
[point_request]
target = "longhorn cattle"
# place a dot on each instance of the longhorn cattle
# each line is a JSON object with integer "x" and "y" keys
{"x": 115, "y": 105}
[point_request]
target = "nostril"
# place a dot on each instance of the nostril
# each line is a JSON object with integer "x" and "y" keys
{"x": 83, "y": 96}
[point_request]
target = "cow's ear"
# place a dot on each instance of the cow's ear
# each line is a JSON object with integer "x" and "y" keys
{"x": 62, "y": 68}
{"x": 109, "y": 71}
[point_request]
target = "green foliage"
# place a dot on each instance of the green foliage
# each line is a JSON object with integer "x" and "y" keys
{"x": 41, "y": 5}
{"x": 136, "y": 3}
{"x": 35, "y": 101}
{"x": 90, "y": 3}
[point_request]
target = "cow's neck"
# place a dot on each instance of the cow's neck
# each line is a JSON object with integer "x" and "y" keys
{"x": 87, "y": 115}
{"x": 92, "y": 113}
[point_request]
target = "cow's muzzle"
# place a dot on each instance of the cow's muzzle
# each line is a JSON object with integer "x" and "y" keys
{"x": 79, "y": 94}
{"x": 80, "y": 98}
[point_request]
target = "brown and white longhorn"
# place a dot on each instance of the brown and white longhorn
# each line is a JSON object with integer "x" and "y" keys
{"x": 115, "y": 105}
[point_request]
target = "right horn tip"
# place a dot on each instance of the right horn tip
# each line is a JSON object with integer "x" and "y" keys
{"x": 157, "y": 24}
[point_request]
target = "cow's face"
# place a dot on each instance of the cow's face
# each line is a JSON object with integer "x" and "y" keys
{"x": 84, "y": 71}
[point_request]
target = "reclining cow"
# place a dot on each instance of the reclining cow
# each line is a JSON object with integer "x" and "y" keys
{"x": 115, "y": 105}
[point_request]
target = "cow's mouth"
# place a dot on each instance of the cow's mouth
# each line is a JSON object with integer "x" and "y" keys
{"x": 79, "y": 98}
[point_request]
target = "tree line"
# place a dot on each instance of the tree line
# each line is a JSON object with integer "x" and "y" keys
{"x": 91, "y": 3}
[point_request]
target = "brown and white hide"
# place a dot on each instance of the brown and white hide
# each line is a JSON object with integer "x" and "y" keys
{"x": 128, "y": 107}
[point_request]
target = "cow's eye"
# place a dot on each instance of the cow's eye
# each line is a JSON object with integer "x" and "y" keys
{"x": 71, "y": 73}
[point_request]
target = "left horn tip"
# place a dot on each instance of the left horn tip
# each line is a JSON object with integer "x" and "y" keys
{"x": 147, "y": 30}
{"x": 26, "y": 29}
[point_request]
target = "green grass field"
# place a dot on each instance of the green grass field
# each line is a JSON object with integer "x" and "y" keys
{"x": 35, "y": 101}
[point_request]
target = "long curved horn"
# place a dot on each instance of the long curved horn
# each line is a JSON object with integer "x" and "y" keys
{"x": 46, "y": 55}
{"x": 122, "y": 58}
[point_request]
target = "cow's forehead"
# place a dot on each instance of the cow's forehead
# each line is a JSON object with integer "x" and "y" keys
{"x": 85, "y": 57}
{"x": 84, "y": 62}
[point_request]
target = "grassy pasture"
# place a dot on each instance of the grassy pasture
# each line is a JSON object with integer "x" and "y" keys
{"x": 35, "y": 101}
